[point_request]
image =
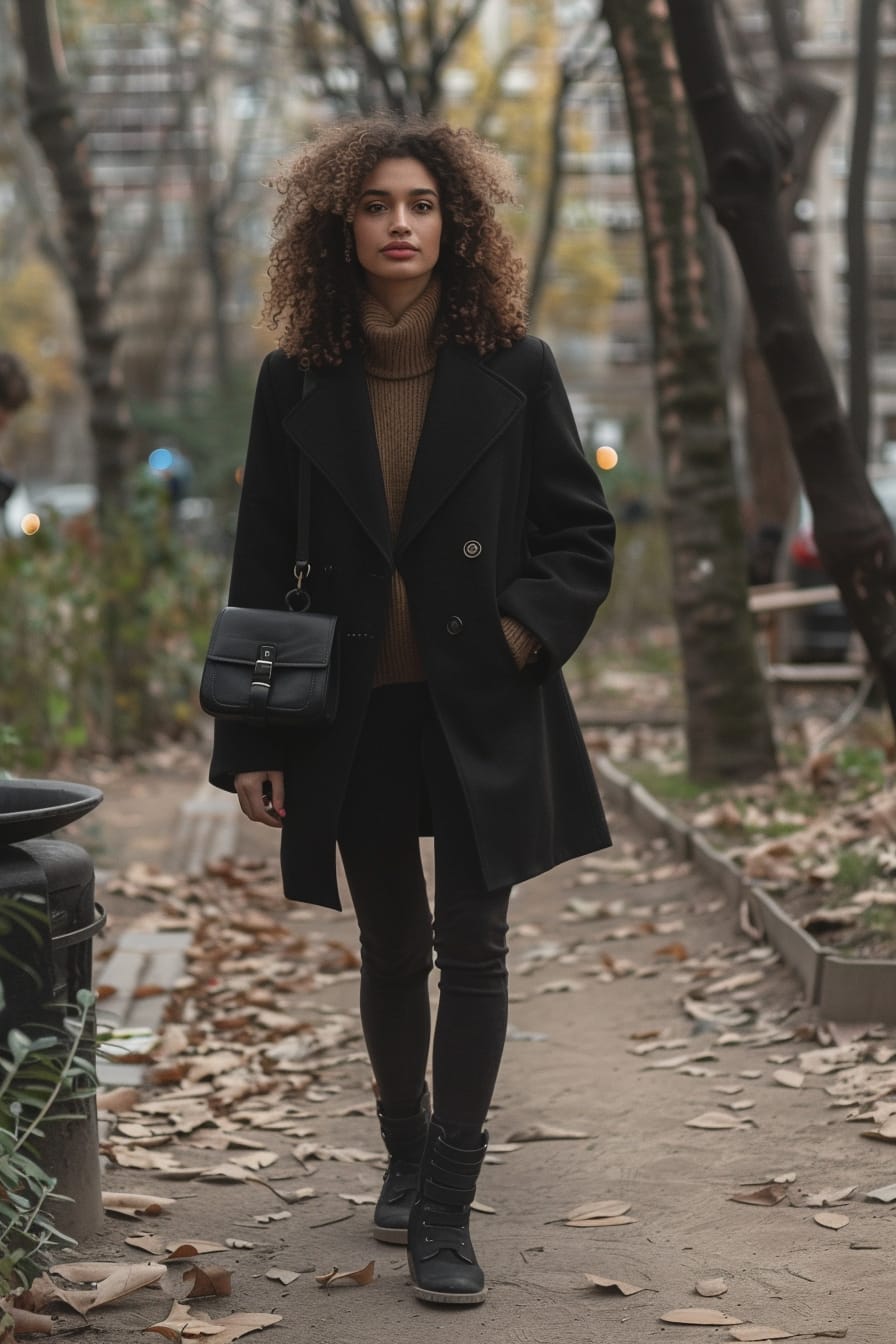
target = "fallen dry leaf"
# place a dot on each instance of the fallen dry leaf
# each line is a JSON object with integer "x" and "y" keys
{"x": 119, "y": 1282}
{"x": 884, "y": 1193}
{"x": 181, "y": 1323}
{"x": 140, "y": 1159}
{"x": 699, "y": 1316}
{"x": 829, "y": 1196}
{"x": 614, "y": 1285}
{"x": 207, "y": 1281}
{"x": 361, "y": 1276}
{"x": 599, "y": 1222}
{"x": 134, "y": 1205}
{"x": 602, "y": 1208}
{"x": 759, "y": 1332}
{"x": 715, "y": 1120}
{"x": 766, "y": 1195}
{"x": 146, "y": 1241}
{"x": 87, "y": 1271}
{"x": 28, "y": 1322}
{"x": 532, "y": 1133}
{"x": 711, "y": 1287}
{"x": 788, "y": 1078}
{"x": 37, "y": 1296}
{"x": 359, "y": 1199}
{"x": 186, "y": 1250}
{"x": 118, "y": 1100}
{"x": 832, "y": 1220}
{"x": 284, "y": 1276}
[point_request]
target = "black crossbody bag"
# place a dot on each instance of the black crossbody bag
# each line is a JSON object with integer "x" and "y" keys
{"x": 275, "y": 668}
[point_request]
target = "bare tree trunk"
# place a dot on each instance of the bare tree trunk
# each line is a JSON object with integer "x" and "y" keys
{"x": 859, "y": 320}
{"x": 804, "y": 105}
{"x": 728, "y": 728}
{"x": 53, "y": 123}
{"x": 551, "y": 207}
{"x": 854, "y": 537}
{"x": 773, "y": 474}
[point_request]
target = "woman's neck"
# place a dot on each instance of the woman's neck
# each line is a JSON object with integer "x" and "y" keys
{"x": 396, "y": 296}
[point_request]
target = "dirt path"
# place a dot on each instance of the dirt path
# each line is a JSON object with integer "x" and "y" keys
{"x": 577, "y": 1016}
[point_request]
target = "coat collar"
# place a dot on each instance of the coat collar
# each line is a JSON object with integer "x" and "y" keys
{"x": 469, "y": 407}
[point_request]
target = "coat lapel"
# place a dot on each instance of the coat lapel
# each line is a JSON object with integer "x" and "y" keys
{"x": 333, "y": 426}
{"x": 469, "y": 406}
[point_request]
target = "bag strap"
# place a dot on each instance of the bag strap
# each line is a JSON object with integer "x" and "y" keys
{"x": 296, "y": 599}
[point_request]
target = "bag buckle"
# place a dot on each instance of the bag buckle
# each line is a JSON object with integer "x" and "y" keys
{"x": 264, "y": 665}
{"x": 301, "y": 570}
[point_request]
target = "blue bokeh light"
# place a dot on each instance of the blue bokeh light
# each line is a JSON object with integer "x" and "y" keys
{"x": 161, "y": 459}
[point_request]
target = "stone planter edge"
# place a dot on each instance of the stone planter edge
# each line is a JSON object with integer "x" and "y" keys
{"x": 843, "y": 989}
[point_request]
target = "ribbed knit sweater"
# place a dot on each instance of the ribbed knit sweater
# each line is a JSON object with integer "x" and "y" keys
{"x": 399, "y": 362}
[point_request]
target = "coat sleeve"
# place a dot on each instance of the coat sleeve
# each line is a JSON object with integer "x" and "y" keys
{"x": 570, "y": 533}
{"x": 261, "y": 574}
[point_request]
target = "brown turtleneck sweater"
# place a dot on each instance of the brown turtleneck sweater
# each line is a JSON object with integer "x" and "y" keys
{"x": 400, "y": 361}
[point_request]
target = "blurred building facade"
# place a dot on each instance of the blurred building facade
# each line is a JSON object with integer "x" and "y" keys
{"x": 189, "y": 112}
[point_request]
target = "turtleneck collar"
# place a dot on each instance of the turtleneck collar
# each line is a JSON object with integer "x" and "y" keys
{"x": 402, "y": 349}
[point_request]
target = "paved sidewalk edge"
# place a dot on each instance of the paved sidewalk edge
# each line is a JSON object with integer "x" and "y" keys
{"x": 843, "y": 989}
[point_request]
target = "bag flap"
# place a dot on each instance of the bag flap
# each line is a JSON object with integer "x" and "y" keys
{"x": 301, "y": 638}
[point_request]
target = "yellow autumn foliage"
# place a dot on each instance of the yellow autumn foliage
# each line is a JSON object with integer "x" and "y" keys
{"x": 34, "y": 324}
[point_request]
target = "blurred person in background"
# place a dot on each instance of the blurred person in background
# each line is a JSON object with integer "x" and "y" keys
{"x": 15, "y": 392}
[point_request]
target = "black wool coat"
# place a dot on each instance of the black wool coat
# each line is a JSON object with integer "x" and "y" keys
{"x": 504, "y": 516}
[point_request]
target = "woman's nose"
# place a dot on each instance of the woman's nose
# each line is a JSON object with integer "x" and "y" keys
{"x": 399, "y": 223}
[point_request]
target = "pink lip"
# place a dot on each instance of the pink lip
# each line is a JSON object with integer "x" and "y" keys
{"x": 402, "y": 248}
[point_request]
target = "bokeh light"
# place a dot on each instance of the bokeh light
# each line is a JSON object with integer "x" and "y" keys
{"x": 30, "y": 524}
{"x": 607, "y": 457}
{"x": 161, "y": 459}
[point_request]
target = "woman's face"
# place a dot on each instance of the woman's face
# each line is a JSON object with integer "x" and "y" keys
{"x": 398, "y": 227}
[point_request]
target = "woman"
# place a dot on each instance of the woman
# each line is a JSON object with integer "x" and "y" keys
{"x": 464, "y": 544}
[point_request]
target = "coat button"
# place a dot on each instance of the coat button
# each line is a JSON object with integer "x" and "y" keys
{"x": 472, "y": 549}
{"x": 454, "y": 625}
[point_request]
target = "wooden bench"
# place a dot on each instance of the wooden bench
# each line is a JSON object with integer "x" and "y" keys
{"x": 769, "y": 602}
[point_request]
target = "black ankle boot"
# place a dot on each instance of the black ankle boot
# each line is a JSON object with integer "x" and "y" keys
{"x": 441, "y": 1258}
{"x": 405, "y": 1140}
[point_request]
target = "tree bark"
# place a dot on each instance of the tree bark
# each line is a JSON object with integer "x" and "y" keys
{"x": 804, "y": 106}
{"x": 551, "y": 208}
{"x": 728, "y": 728}
{"x": 53, "y": 123}
{"x": 852, "y": 532}
{"x": 859, "y": 318}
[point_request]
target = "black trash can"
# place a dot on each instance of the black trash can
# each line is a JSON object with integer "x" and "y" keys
{"x": 51, "y": 961}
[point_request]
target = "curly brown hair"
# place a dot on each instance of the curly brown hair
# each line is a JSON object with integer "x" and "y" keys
{"x": 315, "y": 279}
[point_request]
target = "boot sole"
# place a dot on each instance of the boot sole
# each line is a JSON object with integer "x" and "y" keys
{"x": 450, "y": 1299}
{"x": 396, "y": 1236}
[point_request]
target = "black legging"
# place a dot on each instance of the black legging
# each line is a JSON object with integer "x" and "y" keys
{"x": 402, "y": 772}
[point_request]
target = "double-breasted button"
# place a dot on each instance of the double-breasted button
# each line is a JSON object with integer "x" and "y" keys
{"x": 472, "y": 549}
{"x": 454, "y": 625}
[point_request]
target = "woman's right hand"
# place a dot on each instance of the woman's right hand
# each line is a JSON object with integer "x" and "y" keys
{"x": 261, "y": 794}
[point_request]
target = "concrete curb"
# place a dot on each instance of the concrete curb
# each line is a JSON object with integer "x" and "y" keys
{"x": 142, "y": 958}
{"x": 842, "y": 989}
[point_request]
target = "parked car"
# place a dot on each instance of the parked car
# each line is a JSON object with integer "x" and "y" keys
{"x": 822, "y": 633}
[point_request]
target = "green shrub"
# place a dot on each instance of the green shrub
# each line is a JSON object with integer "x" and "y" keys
{"x": 102, "y": 638}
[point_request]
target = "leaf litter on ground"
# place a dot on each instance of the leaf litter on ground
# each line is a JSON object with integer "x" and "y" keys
{"x": 362, "y": 1276}
{"x": 615, "y": 1285}
{"x": 182, "y": 1323}
{"x": 711, "y": 1287}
